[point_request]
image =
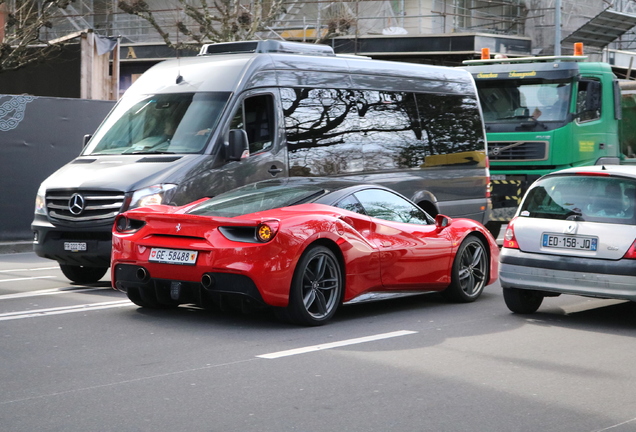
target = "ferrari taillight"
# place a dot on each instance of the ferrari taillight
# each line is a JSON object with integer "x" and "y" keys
{"x": 509, "y": 240}
{"x": 631, "y": 252}
{"x": 266, "y": 231}
{"x": 127, "y": 225}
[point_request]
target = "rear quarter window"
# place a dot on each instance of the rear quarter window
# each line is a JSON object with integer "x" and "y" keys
{"x": 583, "y": 198}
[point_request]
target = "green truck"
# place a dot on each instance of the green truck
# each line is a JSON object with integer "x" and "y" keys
{"x": 543, "y": 114}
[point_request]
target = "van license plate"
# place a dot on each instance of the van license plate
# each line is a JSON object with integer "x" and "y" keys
{"x": 75, "y": 246}
{"x": 570, "y": 242}
{"x": 173, "y": 256}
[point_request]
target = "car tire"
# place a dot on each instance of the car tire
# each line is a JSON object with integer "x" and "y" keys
{"x": 522, "y": 301}
{"x": 83, "y": 275}
{"x": 316, "y": 288}
{"x": 469, "y": 273}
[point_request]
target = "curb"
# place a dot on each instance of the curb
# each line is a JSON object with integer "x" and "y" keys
{"x": 16, "y": 247}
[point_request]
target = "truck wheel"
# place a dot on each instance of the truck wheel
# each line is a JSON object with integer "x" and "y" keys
{"x": 83, "y": 275}
{"x": 522, "y": 301}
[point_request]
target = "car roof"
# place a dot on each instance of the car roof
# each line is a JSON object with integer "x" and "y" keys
{"x": 619, "y": 170}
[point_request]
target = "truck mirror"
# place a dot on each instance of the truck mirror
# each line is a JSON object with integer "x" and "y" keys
{"x": 238, "y": 145}
{"x": 86, "y": 139}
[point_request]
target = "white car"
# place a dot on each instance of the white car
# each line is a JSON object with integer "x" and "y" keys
{"x": 574, "y": 233}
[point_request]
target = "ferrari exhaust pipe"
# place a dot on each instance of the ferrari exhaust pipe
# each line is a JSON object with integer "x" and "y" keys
{"x": 207, "y": 281}
{"x": 142, "y": 274}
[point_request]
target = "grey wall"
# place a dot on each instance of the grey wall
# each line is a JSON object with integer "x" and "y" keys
{"x": 37, "y": 136}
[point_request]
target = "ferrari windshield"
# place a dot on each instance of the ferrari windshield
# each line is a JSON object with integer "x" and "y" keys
{"x": 166, "y": 123}
{"x": 251, "y": 199}
{"x": 510, "y": 101}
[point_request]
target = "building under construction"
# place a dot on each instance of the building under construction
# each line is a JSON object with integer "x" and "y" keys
{"x": 426, "y": 31}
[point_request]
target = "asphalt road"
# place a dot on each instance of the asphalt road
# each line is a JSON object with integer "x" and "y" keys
{"x": 82, "y": 358}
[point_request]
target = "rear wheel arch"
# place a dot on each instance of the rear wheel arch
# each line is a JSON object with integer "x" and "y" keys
{"x": 312, "y": 299}
{"x": 333, "y": 247}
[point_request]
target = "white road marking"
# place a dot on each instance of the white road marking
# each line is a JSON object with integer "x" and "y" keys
{"x": 64, "y": 310}
{"x": 347, "y": 342}
{"x": 30, "y": 269}
{"x": 26, "y": 278}
{"x": 53, "y": 291}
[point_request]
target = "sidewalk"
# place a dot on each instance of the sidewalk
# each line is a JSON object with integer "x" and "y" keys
{"x": 17, "y": 246}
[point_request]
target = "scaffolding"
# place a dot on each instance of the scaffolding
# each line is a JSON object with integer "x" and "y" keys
{"x": 312, "y": 19}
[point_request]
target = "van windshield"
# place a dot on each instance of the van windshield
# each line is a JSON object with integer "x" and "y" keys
{"x": 167, "y": 123}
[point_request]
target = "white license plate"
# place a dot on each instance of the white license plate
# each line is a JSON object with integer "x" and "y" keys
{"x": 569, "y": 242}
{"x": 173, "y": 256}
{"x": 75, "y": 246}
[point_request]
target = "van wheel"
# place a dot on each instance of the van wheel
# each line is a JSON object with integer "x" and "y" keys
{"x": 522, "y": 301}
{"x": 469, "y": 272}
{"x": 316, "y": 288}
{"x": 83, "y": 275}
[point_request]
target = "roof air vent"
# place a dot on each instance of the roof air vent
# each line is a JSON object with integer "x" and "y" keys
{"x": 266, "y": 46}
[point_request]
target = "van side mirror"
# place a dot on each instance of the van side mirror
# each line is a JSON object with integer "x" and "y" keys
{"x": 442, "y": 221}
{"x": 86, "y": 139}
{"x": 238, "y": 145}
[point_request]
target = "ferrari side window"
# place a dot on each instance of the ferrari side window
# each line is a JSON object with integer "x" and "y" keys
{"x": 385, "y": 205}
{"x": 352, "y": 204}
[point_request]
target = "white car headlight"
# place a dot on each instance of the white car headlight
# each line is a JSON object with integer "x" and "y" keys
{"x": 157, "y": 194}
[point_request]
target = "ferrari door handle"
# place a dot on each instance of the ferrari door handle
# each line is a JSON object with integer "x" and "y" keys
{"x": 273, "y": 170}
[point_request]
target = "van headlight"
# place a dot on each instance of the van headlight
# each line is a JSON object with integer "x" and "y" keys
{"x": 157, "y": 194}
{"x": 40, "y": 202}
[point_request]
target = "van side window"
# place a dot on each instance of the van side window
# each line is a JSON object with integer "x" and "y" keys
{"x": 451, "y": 124}
{"x": 255, "y": 117}
{"x": 322, "y": 128}
{"x": 390, "y": 128}
{"x": 331, "y": 131}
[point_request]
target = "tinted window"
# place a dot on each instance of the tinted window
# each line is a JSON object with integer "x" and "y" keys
{"x": 451, "y": 125}
{"x": 352, "y": 204}
{"x": 344, "y": 131}
{"x": 252, "y": 199}
{"x": 322, "y": 131}
{"x": 388, "y": 206}
{"x": 594, "y": 199}
{"x": 391, "y": 130}
{"x": 255, "y": 117}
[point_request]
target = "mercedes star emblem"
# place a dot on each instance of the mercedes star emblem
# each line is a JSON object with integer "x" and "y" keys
{"x": 76, "y": 204}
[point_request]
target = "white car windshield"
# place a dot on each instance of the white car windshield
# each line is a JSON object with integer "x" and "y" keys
{"x": 583, "y": 198}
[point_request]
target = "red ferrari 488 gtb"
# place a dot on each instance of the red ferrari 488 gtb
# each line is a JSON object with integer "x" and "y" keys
{"x": 302, "y": 246}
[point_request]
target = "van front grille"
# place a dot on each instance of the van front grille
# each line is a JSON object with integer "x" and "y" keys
{"x": 84, "y": 205}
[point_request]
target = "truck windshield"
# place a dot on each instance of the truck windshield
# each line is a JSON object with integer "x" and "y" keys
{"x": 167, "y": 123}
{"x": 511, "y": 101}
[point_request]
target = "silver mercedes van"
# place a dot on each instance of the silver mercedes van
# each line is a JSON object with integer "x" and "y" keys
{"x": 247, "y": 111}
